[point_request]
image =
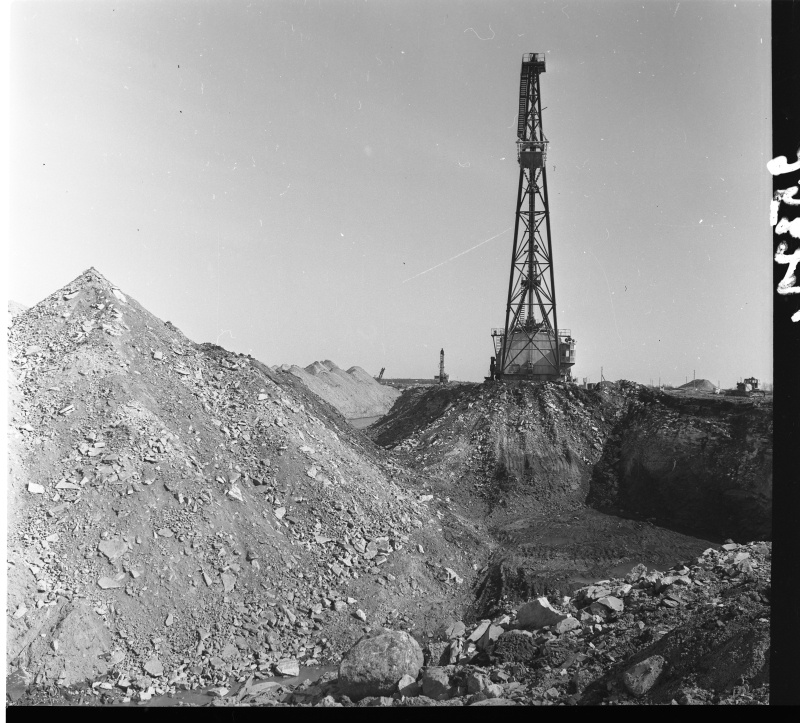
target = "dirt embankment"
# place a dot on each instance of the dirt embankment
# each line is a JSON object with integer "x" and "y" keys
{"x": 703, "y": 465}
{"x": 353, "y": 392}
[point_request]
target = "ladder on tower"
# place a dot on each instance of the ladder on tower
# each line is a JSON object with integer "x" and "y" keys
{"x": 523, "y": 104}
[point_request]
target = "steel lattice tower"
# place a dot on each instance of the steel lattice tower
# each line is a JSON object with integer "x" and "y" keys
{"x": 531, "y": 346}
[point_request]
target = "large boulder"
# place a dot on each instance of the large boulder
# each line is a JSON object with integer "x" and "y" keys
{"x": 375, "y": 664}
{"x": 436, "y": 683}
{"x": 537, "y": 614}
{"x": 639, "y": 678}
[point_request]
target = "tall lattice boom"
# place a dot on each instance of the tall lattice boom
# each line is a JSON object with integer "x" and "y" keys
{"x": 531, "y": 346}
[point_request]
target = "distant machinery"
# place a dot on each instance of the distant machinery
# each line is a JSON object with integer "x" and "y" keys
{"x": 749, "y": 387}
{"x": 380, "y": 376}
{"x": 442, "y": 377}
{"x": 531, "y": 346}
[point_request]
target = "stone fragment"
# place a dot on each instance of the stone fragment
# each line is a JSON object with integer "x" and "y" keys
{"x": 495, "y": 701}
{"x": 361, "y": 615}
{"x": 479, "y": 632}
{"x": 488, "y": 638}
{"x": 109, "y": 583}
{"x": 456, "y": 630}
{"x": 228, "y": 581}
{"x": 537, "y": 614}
{"x": 639, "y": 678}
{"x": 20, "y": 611}
{"x": 567, "y": 624}
{"x": 159, "y": 355}
{"x": 493, "y": 690}
{"x": 374, "y": 665}
{"x": 436, "y": 683}
{"x": 288, "y": 667}
{"x": 236, "y": 493}
{"x": 477, "y": 682}
{"x": 593, "y": 592}
{"x": 279, "y": 512}
{"x": 408, "y": 686}
{"x": 35, "y": 489}
{"x": 165, "y": 532}
{"x": 607, "y": 605}
{"x": 113, "y": 549}
{"x": 637, "y": 572}
{"x": 154, "y": 667}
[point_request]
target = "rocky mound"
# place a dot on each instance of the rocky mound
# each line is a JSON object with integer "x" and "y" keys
{"x": 353, "y": 392}
{"x": 179, "y": 514}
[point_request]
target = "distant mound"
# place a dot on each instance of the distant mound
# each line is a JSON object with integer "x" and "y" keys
{"x": 353, "y": 392}
{"x": 701, "y": 385}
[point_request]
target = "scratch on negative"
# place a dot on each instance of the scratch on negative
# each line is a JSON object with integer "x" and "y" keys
{"x": 479, "y": 37}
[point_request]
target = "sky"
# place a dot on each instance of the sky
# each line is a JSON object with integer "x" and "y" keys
{"x": 337, "y": 180}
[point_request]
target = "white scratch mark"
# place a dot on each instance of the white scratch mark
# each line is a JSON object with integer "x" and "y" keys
{"x": 287, "y": 188}
{"x": 676, "y": 10}
{"x": 610, "y": 293}
{"x": 453, "y": 258}
{"x": 564, "y": 10}
{"x": 463, "y": 165}
{"x": 379, "y": 60}
{"x": 479, "y": 37}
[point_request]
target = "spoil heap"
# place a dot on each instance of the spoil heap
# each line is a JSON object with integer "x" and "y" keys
{"x": 354, "y": 392}
{"x": 698, "y": 385}
{"x": 180, "y": 514}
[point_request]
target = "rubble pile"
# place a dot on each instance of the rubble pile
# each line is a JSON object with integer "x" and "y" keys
{"x": 698, "y": 633}
{"x": 196, "y": 515}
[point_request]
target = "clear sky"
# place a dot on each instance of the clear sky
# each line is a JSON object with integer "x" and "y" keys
{"x": 275, "y": 176}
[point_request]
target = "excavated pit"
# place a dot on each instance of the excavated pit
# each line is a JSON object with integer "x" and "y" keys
{"x": 576, "y": 485}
